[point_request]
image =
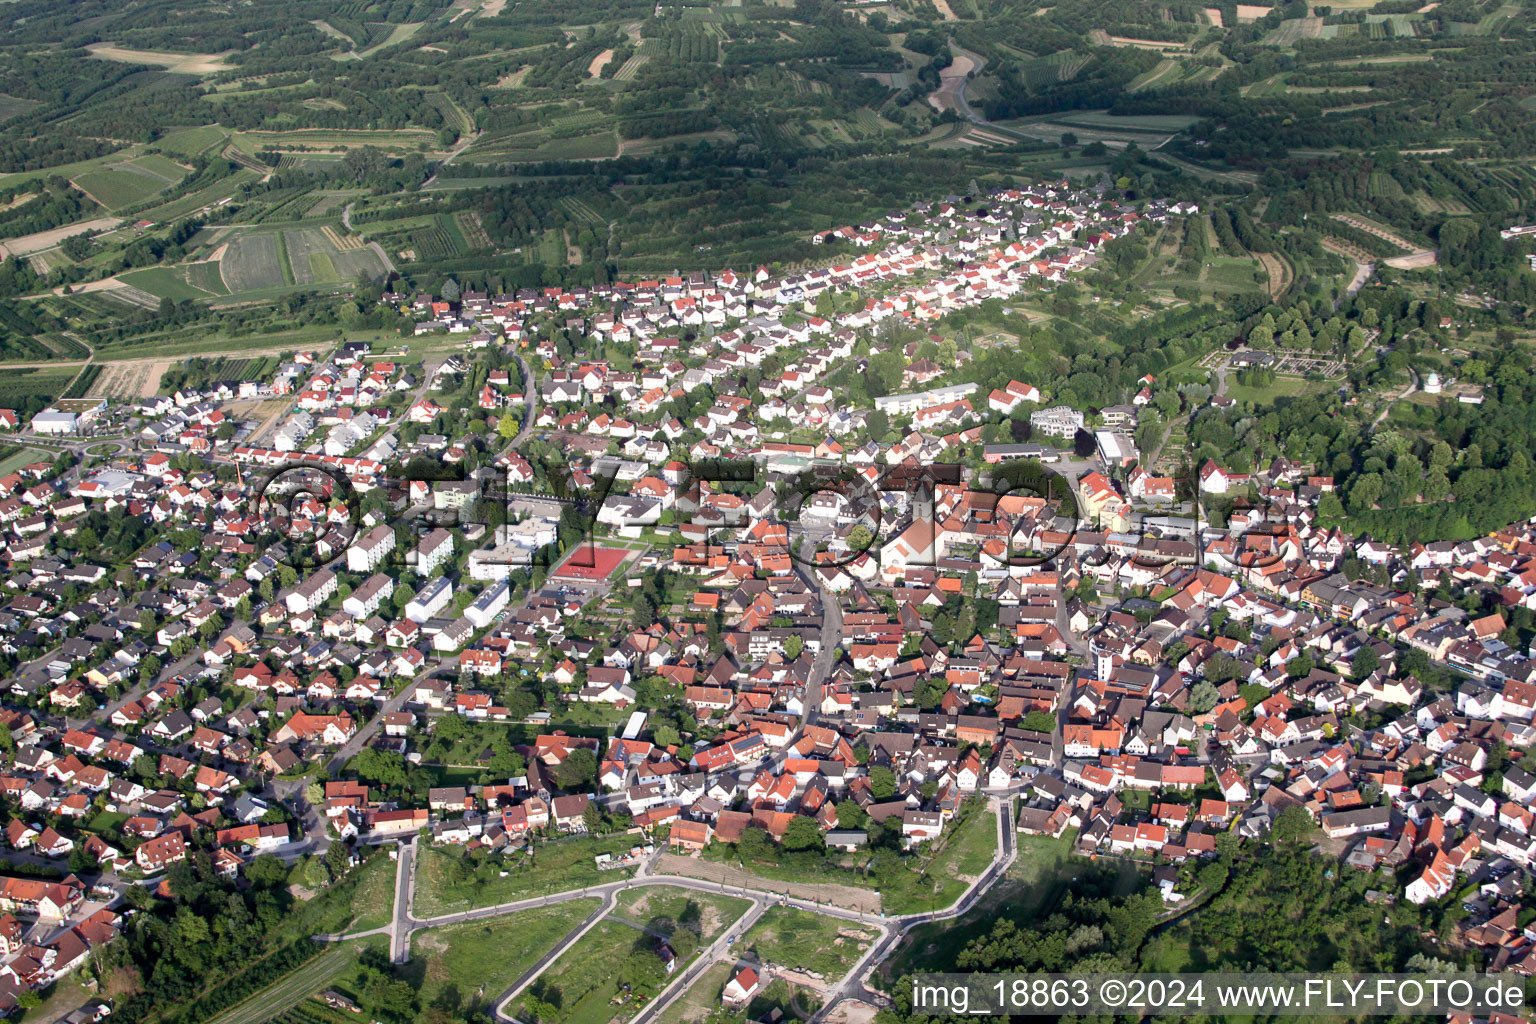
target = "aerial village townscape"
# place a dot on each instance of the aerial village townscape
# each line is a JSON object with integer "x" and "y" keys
{"x": 515, "y": 633}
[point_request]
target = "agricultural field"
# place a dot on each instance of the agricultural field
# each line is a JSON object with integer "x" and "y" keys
{"x": 18, "y": 384}
{"x": 320, "y": 256}
{"x": 339, "y": 141}
{"x": 247, "y": 261}
{"x": 189, "y": 142}
{"x": 252, "y": 262}
{"x": 191, "y": 281}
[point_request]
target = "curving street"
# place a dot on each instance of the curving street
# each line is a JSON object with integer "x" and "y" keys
{"x": 854, "y": 985}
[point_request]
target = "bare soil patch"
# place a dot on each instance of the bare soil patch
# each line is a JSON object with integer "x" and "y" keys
{"x": 841, "y": 895}
{"x": 26, "y": 245}
{"x": 598, "y": 63}
{"x": 183, "y": 63}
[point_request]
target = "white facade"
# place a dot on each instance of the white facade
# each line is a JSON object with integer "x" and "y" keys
{"x": 489, "y": 604}
{"x": 1057, "y": 421}
{"x": 431, "y": 599}
{"x": 435, "y": 549}
{"x": 366, "y": 599}
{"x": 367, "y": 553}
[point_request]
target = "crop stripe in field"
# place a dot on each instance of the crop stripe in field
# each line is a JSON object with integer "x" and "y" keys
{"x": 282, "y": 257}
{"x": 286, "y": 992}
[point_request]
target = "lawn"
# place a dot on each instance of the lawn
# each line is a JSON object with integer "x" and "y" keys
{"x": 662, "y": 907}
{"x": 608, "y": 975}
{"x": 106, "y": 821}
{"x": 804, "y": 941}
{"x": 373, "y": 901}
{"x": 1042, "y": 861}
{"x": 936, "y": 878}
{"x": 557, "y": 866}
{"x": 20, "y": 457}
{"x": 1281, "y": 387}
{"x": 473, "y": 963}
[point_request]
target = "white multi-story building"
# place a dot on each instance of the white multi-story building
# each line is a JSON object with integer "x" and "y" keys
{"x": 430, "y": 600}
{"x": 367, "y": 553}
{"x": 489, "y": 604}
{"x": 1057, "y": 421}
{"x": 366, "y": 599}
{"x": 312, "y": 593}
{"x": 435, "y": 549}
{"x": 906, "y": 404}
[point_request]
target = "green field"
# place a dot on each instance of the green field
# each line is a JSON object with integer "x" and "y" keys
{"x": 478, "y": 960}
{"x": 408, "y": 140}
{"x": 20, "y": 382}
{"x": 558, "y": 866}
{"x": 702, "y": 997}
{"x": 118, "y": 186}
{"x": 13, "y": 106}
{"x": 314, "y": 976}
{"x": 709, "y": 914}
{"x": 192, "y": 141}
{"x": 801, "y": 940}
{"x": 251, "y": 263}
{"x": 598, "y": 980}
{"x": 581, "y": 147}
{"x": 172, "y": 282}
{"x": 118, "y": 189}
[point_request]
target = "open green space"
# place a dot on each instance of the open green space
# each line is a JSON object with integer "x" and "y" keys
{"x": 804, "y": 941}
{"x": 932, "y": 877}
{"x": 473, "y": 963}
{"x": 612, "y": 970}
{"x": 707, "y": 914}
{"x": 447, "y": 881}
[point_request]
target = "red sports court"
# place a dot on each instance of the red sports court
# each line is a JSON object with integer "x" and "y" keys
{"x": 590, "y": 562}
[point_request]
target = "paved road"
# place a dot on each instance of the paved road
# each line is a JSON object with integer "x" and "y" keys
{"x": 831, "y": 637}
{"x": 405, "y": 884}
{"x": 892, "y": 928}
{"x": 956, "y": 84}
{"x": 675, "y": 988}
{"x": 462, "y": 145}
{"x": 854, "y": 985}
{"x": 528, "y": 976}
{"x": 530, "y": 406}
